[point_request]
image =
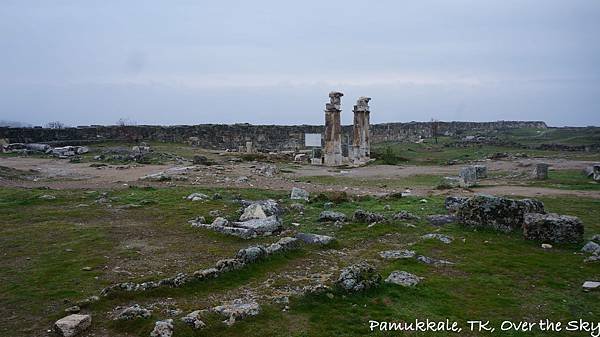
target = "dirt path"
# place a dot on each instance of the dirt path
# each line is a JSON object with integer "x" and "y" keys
{"x": 60, "y": 174}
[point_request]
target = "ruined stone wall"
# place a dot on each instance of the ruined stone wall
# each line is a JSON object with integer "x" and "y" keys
{"x": 264, "y": 137}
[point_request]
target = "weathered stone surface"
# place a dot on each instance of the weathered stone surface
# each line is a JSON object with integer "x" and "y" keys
{"x": 443, "y": 238}
{"x": 267, "y": 170}
{"x": 260, "y": 226}
{"x": 480, "y": 171}
{"x": 206, "y": 273}
{"x": 591, "y": 248}
{"x": 450, "y": 182}
{"x": 332, "y": 216}
{"x": 441, "y": 219}
{"x": 284, "y": 244}
{"x": 251, "y": 254}
{"x": 403, "y": 278}
{"x": 200, "y": 160}
{"x": 193, "y": 320}
{"x": 433, "y": 261}
{"x": 227, "y": 265}
{"x": 197, "y": 197}
{"x": 596, "y": 175}
{"x": 332, "y": 150}
{"x": 360, "y": 152}
{"x": 367, "y": 217}
{"x": 238, "y": 309}
{"x": 72, "y": 325}
{"x": 253, "y": 211}
{"x": 299, "y": 194}
{"x": 404, "y": 215}
{"x": 314, "y": 238}
{"x": 590, "y": 285}
{"x": 297, "y": 207}
{"x": 269, "y": 206}
{"x": 452, "y": 203}
{"x": 468, "y": 176}
{"x": 484, "y": 211}
{"x": 162, "y": 329}
{"x": 133, "y": 312}
{"x": 552, "y": 228}
{"x": 358, "y": 277}
{"x": 397, "y": 254}
{"x": 540, "y": 171}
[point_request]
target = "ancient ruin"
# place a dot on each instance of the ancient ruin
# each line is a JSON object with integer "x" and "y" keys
{"x": 332, "y": 155}
{"x": 361, "y": 151}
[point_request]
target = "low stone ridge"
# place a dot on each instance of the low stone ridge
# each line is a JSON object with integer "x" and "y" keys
{"x": 314, "y": 238}
{"x": 552, "y": 228}
{"x": 162, "y": 329}
{"x": 452, "y": 203}
{"x": 299, "y": 194}
{"x": 332, "y": 216}
{"x": 193, "y": 320}
{"x": 367, "y": 217}
{"x": 247, "y": 229}
{"x": 237, "y": 310}
{"x": 441, "y": 219}
{"x": 133, "y": 312}
{"x": 397, "y": 254}
{"x": 403, "y": 278}
{"x": 443, "y": 238}
{"x": 72, "y": 325}
{"x": 244, "y": 256}
{"x": 502, "y": 214}
{"x": 358, "y": 277}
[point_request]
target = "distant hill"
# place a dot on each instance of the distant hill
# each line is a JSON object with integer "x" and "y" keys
{"x": 14, "y": 124}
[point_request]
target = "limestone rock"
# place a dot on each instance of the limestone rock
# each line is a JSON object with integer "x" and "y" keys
{"x": 397, "y": 254}
{"x": 72, "y": 325}
{"x": 502, "y": 214}
{"x": 540, "y": 171}
{"x": 590, "y": 285}
{"x": 452, "y": 203}
{"x": 403, "y": 278}
{"x": 433, "y": 261}
{"x": 591, "y": 248}
{"x": 227, "y": 265}
{"x": 358, "y": 277}
{"x": 238, "y": 309}
{"x": 480, "y": 171}
{"x": 332, "y": 216}
{"x": 443, "y": 238}
{"x": 284, "y": 244}
{"x": 269, "y": 206}
{"x": 314, "y": 238}
{"x": 254, "y": 211}
{"x": 251, "y": 254}
{"x": 299, "y": 194}
{"x": 468, "y": 175}
{"x": 441, "y": 219}
{"x": 200, "y": 160}
{"x": 193, "y": 319}
{"x": 297, "y": 207}
{"x": 197, "y": 197}
{"x": 450, "y": 182}
{"x": 596, "y": 175}
{"x": 552, "y": 228}
{"x": 162, "y": 329}
{"x": 264, "y": 226}
{"x": 367, "y": 217}
{"x": 404, "y": 215}
{"x": 133, "y": 312}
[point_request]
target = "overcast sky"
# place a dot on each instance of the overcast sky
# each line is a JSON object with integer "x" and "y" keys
{"x": 274, "y": 62}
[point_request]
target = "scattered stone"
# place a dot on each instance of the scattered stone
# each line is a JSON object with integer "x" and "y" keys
{"x": 227, "y": 265}
{"x": 468, "y": 176}
{"x": 299, "y": 194}
{"x": 480, "y": 171}
{"x": 540, "y": 171}
{"x": 358, "y": 277}
{"x": 72, "y": 325}
{"x": 238, "y": 309}
{"x": 591, "y": 248}
{"x": 443, "y": 238}
{"x": 264, "y": 226}
{"x": 133, "y": 312}
{"x": 328, "y": 205}
{"x": 546, "y": 246}
{"x": 441, "y": 219}
{"x": 397, "y": 254}
{"x": 254, "y": 211}
{"x": 251, "y": 254}
{"x": 47, "y": 197}
{"x": 86, "y": 268}
{"x": 433, "y": 261}
{"x": 197, "y": 197}
{"x": 284, "y": 244}
{"x": 73, "y": 310}
{"x": 404, "y": 215}
{"x": 387, "y": 208}
{"x": 200, "y": 160}
{"x": 267, "y": 170}
{"x": 552, "y": 228}
{"x": 269, "y": 206}
{"x": 596, "y": 175}
{"x": 193, "y": 319}
{"x": 403, "y": 278}
{"x": 216, "y": 213}
{"x": 162, "y": 329}
{"x": 314, "y": 238}
{"x": 87, "y": 301}
{"x": 502, "y": 214}
{"x": 332, "y": 216}
{"x": 590, "y": 285}
{"x": 449, "y": 182}
{"x": 297, "y": 207}
{"x": 596, "y": 238}
{"x": 367, "y": 217}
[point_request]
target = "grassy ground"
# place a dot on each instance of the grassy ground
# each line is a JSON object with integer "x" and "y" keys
{"x": 408, "y": 182}
{"x": 497, "y": 276}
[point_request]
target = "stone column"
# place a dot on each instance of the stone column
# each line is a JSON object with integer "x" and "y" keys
{"x": 361, "y": 147}
{"x": 333, "y": 130}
